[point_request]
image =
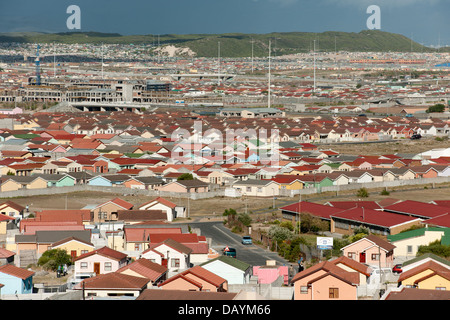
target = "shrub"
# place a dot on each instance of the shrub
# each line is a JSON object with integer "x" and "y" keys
{"x": 245, "y": 219}
{"x": 385, "y": 192}
{"x": 436, "y": 248}
{"x": 51, "y": 259}
{"x": 436, "y": 108}
{"x": 362, "y": 193}
{"x": 185, "y": 176}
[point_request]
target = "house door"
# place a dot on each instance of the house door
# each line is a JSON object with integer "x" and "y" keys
{"x": 73, "y": 254}
{"x": 164, "y": 262}
{"x": 362, "y": 257}
{"x": 97, "y": 268}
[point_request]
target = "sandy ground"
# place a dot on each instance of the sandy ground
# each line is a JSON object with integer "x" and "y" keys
{"x": 403, "y": 146}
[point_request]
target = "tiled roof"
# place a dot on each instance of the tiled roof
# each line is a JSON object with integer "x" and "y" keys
{"x": 12, "y": 205}
{"x": 330, "y": 268}
{"x": 16, "y": 271}
{"x": 430, "y": 266}
{"x": 106, "y": 252}
{"x": 4, "y": 254}
{"x": 145, "y": 268}
{"x": 419, "y": 294}
{"x": 115, "y": 280}
{"x": 70, "y": 239}
{"x": 141, "y": 215}
{"x": 142, "y": 234}
{"x": 355, "y": 265}
{"x": 173, "y": 244}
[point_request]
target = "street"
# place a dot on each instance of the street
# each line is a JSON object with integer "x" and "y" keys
{"x": 222, "y": 237}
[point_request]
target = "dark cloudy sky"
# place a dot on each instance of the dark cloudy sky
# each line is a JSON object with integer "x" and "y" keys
{"x": 426, "y": 21}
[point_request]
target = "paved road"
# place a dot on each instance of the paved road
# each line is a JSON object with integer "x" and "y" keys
{"x": 222, "y": 237}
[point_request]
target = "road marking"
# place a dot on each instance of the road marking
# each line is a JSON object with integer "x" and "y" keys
{"x": 215, "y": 227}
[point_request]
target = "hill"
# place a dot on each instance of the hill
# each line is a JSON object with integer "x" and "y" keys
{"x": 239, "y": 44}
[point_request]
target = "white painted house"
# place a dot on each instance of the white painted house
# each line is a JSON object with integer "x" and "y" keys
{"x": 231, "y": 269}
{"x": 171, "y": 209}
{"x": 171, "y": 254}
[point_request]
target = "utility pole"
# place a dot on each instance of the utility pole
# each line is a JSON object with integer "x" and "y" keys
{"x": 253, "y": 41}
{"x": 314, "y": 55}
{"x": 268, "y": 89}
{"x": 54, "y": 61}
{"x": 102, "y": 61}
{"x": 218, "y": 63}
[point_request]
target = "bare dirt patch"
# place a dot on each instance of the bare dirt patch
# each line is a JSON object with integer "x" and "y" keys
{"x": 401, "y": 146}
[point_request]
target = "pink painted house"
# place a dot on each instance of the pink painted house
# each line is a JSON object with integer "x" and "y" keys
{"x": 271, "y": 272}
{"x": 15, "y": 110}
{"x": 101, "y": 261}
{"x": 325, "y": 281}
{"x": 372, "y": 251}
{"x": 196, "y": 279}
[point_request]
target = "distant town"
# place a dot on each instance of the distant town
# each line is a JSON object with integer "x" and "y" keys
{"x": 143, "y": 172}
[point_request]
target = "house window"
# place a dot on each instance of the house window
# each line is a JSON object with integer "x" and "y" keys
{"x": 259, "y": 190}
{"x": 137, "y": 247}
{"x": 304, "y": 289}
{"x": 441, "y": 288}
{"x": 351, "y": 255}
{"x": 175, "y": 263}
{"x": 84, "y": 251}
{"x": 83, "y": 265}
{"x": 108, "y": 266}
{"x": 334, "y": 293}
{"x": 375, "y": 256}
{"x": 409, "y": 249}
{"x": 249, "y": 189}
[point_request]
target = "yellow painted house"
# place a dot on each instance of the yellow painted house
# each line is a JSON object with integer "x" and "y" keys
{"x": 289, "y": 182}
{"x": 73, "y": 246}
{"x": 4, "y": 220}
{"x": 28, "y": 124}
{"x": 430, "y": 275}
{"x": 14, "y": 183}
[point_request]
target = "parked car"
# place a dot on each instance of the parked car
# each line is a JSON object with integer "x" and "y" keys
{"x": 230, "y": 252}
{"x": 246, "y": 240}
{"x": 416, "y": 136}
{"x": 397, "y": 268}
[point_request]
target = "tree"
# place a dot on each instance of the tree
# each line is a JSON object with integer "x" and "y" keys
{"x": 229, "y": 212}
{"x": 279, "y": 234}
{"x": 439, "y": 107}
{"x": 245, "y": 219}
{"x": 51, "y": 259}
{"x": 186, "y": 176}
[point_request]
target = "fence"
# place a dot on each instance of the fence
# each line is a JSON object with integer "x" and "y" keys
{"x": 122, "y": 190}
{"x": 368, "y": 185}
{"x": 217, "y": 192}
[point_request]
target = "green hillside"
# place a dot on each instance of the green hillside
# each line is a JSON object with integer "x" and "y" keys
{"x": 239, "y": 44}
